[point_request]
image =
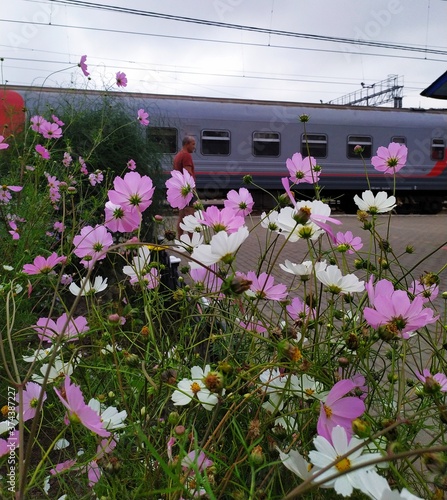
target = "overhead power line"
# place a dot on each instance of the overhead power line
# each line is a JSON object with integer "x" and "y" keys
{"x": 210, "y": 40}
{"x": 256, "y": 29}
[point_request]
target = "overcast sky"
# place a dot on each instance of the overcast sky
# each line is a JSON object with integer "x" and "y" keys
{"x": 234, "y": 53}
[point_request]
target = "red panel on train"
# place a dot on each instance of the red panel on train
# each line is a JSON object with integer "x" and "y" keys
{"x": 12, "y": 112}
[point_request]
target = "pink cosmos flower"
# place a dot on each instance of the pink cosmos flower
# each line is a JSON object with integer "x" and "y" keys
{"x": 142, "y": 117}
{"x": 151, "y": 279}
{"x": 10, "y": 444}
{"x": 433, "y": 383}
{"x": 196, "y": 461}
{"x": 180, "y": 189}
{"x": 62, "y": 466}
{"x": 59, "y": 227}
{"x": 83, "y": 166}
{"x": 43, "y": 152}
{"x": 397, "y": 314}
{"x": 299, "y": 311}
{"x": 381, "y": 288}
{"x": 134, "y": 191}
{"x": 31, "y": 396}
{"x": 121, "y": 218}
{"x": 347, "y": 242}
{"x": 240, "y": 201}
{"x": 302, "y": 170}
{"x": 262, "y": 286}
{"x": 50, "y": 330}
{"x": 427, "y": 292}
{"x": 131, "y": 165}
{"x": 67, "y": 159}
{"x": 96, "y": 178}
{"x": 42, "y": 265}
{"x": 222, "y": 220}
{"x": 92, "y": 244}
{"x": 3, "y": 145}
{"x": 209, "y": 280}
{"x": 315, "y": 212}
{"x": 51, "y": 130}
{"x": 391, "y": 159}
{"x": 121, "y": 79}
{"x": 339, "y": 410}
{"x": 36, "y": 123}
{"x": 83, "y": 66}
{"x": 14, "y": 230}
{"x": 5, "y": 195}
{"x": 79, "y": 412}
{"x": 57, "y": 120}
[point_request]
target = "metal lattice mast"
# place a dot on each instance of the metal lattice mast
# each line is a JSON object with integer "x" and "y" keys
{"x": 376, "y": 94}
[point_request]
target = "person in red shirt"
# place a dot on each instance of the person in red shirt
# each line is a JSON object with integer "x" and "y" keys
{"x": 183, "y": 160}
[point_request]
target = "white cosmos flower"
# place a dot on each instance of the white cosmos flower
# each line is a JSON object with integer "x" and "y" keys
{"x": 378, "y": 204}
{"x": 7, "y": 425}
{"x": 337, "y": 283}
{"x": 87, "y": 288}
{"x": 58, "y": 370}
{"x": 296, "y": 223}
{"x": 305, "y": 269}
{"x": 221, "y": 248}
{"x": 192, "y": 223}
{"x": 189, "y": 241}
{"x": 268, "y": 221}
{"x": 194, "y": 388}
{"x": 296, "y": 463}
{"x": 110, "y": 417}
{"x": 326, "y": 454}
{"x": 380, "y": 489}
{"x": 139, "y": 264}
{"x": 61, "y": 444}
{"x": 38, "y": 354}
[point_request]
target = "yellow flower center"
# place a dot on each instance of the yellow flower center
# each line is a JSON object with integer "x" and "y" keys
{"x": 328, "y": 411}
{"x": 343, "y": 465}
{"x": 195, "y": 388}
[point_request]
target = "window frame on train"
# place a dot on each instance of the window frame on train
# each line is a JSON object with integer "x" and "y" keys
{"x": 365, "y": 141}
{"x": 166, "y": 138}
{"x": 437, "y": 150}
{"x": 315, "y": 143}
{"x": 221, "y": 142}
{"x": 399, "y": 139}
{"x": 263, "y": 143}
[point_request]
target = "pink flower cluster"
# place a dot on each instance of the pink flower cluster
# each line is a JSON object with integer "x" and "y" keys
{"x": 49, "y": 130}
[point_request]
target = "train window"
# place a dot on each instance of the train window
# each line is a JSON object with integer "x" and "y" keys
{"x": 365, "y": 141}
{"x": 266, "y": 143}
{"x": 164, "y": 138}
{"x": 317, "y": 144}
{"x": 437, "y": 149}
{"x": 215, "y": 142}
{"x": 399, "y": 139}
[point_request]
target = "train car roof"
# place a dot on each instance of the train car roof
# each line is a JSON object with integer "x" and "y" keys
{"x": 226, "y": 100}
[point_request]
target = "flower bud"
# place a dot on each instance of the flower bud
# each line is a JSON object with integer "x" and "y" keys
{"x": 214, "y": 381}
{"x": 343, "y": 362}
{"x": 173, "y": 418}
{"x": 257, "y": 456}
{"x": 435, "y": 462}
{"x": 304, "y": 118}
{"x": 180, "y": 430}
{"x": 247, "y": 179}
{"x": 361, "y": 428}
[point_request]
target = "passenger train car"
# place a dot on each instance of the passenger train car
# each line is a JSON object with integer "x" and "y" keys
{"x": 246, "y": 137}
